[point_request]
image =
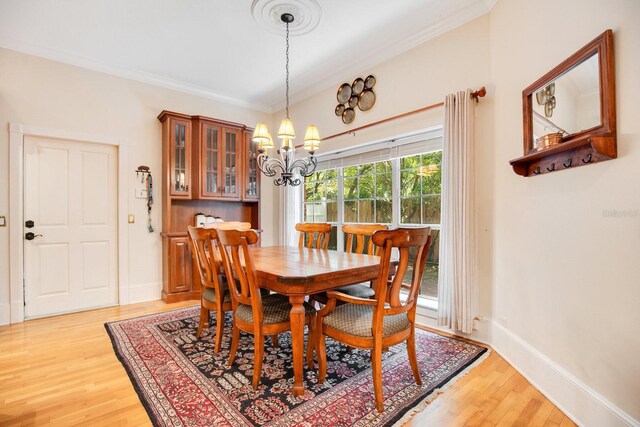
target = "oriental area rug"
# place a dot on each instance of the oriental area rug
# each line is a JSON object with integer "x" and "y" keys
{"x": 181, "y": 381}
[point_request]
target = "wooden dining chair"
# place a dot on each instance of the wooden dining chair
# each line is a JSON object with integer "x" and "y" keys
{"x": 384, "y": 320}
{"x": 252, "y": 312}
{"x": 215, "y": 291}
{"x": 316, "y": 234}
{"x": 356, "y": 235}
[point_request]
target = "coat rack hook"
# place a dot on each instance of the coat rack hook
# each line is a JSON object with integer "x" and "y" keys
{"x": 537, "y": 171}
{"x": 567, "y": 164}
{"x": 587, "y": 159}
{"x": 553, "y": 167}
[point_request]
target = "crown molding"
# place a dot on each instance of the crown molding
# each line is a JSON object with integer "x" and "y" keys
{"x": 140, "y": 76}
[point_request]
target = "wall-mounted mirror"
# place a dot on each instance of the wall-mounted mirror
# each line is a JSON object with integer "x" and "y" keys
{"x": 571, "y": 110}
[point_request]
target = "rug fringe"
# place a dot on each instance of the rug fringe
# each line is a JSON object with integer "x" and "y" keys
{"x": 438, "y": 391}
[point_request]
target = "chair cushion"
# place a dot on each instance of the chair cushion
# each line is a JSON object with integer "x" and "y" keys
{"x": 356, "y": 319}
{"x": 210, "y": 295}
{"x": 275, "y": 307}
{"x": 360, "y": 291}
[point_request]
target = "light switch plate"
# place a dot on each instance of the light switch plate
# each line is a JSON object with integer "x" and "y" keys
{"x": 3, "y": 221}
{"x": 141, "y": 193}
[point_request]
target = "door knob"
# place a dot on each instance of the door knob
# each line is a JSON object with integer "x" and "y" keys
{"x": 29, "y": 223}
{"x": 31, "y": 236}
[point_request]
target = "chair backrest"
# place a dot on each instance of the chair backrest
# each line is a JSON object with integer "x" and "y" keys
{"x": 229, "y": 225}
{"x": 316, "y": 235}
{"x": 205, "y": 257}
{"x": 356, "y": 233}
{"x": 240, "y": 270}
{"x": 388, "y": 289}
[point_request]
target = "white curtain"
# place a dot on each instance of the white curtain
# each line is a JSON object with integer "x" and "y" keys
{"x": 457, "y": 278}
{"x": 291, "y": 214}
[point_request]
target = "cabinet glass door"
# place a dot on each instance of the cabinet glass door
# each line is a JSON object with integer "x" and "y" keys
{"x": 211, "y": 159}
{"x": 252, "y": 183}
{"x": 231, "y": 166}
{"x": 180, "y": 158}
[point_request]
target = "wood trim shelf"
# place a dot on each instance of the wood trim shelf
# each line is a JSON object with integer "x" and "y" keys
{"x": 570, "y": 154}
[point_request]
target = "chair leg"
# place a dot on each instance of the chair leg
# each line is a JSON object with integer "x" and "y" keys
{"x": 258, "y": 351}
{"x": 219, "y": 327}
{"x": 234, "y": 344}
{"x": 376, "y": 368}
{"x": 311, "y": 343}
{"x": 413, "y": 360}
{"x": 204, "y": 315}
{"x": 321, "y": 352}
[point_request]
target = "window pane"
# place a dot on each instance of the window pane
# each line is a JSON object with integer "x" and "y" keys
{"x": 383, "y": 211}
{"x": 366, "y": 187}
{"x": 332, "y": 212}
{"x": 429, "y": 280}
{"x": 383, "y": 166}
{"x": 431, "y": 210}
{"x": 308, "y": 213}
{"x": 410, "y": 162}
{"x": 319, "y": 191}
{"x": 350, "y": 171}
{"x": 431, "y": 183}
{"x": 319, "y": 214}
{"x": 409, "y": 183}
{"x": 331, "y": 174}
{"x": 308, "y": 192}
{"x": 366, "y": 169}
{"x": 410, "y": 210}
{"x": 366, "y": 211}
{"x": 434, "y": 158}
{"x": 350, "y": 188}
{"x": 429, "y": 284}
{"x": 350, "y": 211}
{"x": 332, "y": 190}
{"x": 383, "y": 185}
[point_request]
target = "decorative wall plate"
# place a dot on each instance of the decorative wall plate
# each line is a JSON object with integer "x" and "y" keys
{"x": 344, "y": 93}
{"x": 357, "y": 86}
{"x": 348, "y": 115}
{"x": 366, "y": 100}
{"x": 358, "y": 94}
{"x": 369, "y": 82}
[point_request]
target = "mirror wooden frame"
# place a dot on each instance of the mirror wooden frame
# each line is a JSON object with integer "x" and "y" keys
{"x": 581, "y": 148}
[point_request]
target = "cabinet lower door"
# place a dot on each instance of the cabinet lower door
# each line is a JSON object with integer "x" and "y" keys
{"x": 180, "y": 276}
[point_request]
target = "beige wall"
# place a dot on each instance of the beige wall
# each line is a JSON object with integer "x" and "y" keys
{"x": 566, "y": 275}
{"x": 46, "y": 94}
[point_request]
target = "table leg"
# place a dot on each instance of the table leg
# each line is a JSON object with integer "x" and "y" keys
{"x": 297, "y": 342}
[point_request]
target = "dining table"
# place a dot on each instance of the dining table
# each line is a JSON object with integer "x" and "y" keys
{"x": 300, "y": 272}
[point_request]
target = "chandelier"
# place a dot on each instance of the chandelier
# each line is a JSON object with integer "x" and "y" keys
{"x": 287, "y": 165}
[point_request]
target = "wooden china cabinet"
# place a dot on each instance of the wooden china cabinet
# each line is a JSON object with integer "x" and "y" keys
{"x": 208, "y": 166}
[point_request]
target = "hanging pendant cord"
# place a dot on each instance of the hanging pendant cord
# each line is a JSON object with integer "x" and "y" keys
{"x": 287, "y": 67}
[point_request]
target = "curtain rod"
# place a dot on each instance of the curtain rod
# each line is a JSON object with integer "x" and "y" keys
{"x": 480, "y": 93}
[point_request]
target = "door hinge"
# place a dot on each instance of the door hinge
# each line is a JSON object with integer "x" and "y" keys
{"x": 24, "y": 293}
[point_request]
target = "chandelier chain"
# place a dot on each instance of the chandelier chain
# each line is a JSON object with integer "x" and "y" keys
{"x": 287, "y": 67}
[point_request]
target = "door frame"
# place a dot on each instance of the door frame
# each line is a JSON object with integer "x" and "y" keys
{"x": 17, "y": 132}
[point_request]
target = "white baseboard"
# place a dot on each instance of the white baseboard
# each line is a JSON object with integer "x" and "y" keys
{"x": 144, "y": 292}
{"x": 5, "y": 314}
{"x": 573, "y": 397}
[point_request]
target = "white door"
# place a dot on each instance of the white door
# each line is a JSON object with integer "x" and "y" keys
{"x": 71, "y": 197}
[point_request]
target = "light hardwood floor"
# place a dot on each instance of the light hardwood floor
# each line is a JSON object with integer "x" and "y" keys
{"x": 63, "y": 371}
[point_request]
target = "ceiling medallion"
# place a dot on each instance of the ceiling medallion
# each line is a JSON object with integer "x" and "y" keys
{"x": 307, "y": 13}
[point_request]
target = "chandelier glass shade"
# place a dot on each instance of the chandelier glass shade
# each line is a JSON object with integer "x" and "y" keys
{"x": 286, "y": 166}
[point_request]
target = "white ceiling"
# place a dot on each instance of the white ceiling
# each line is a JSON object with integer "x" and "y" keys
{"x": 216, "y": 48}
